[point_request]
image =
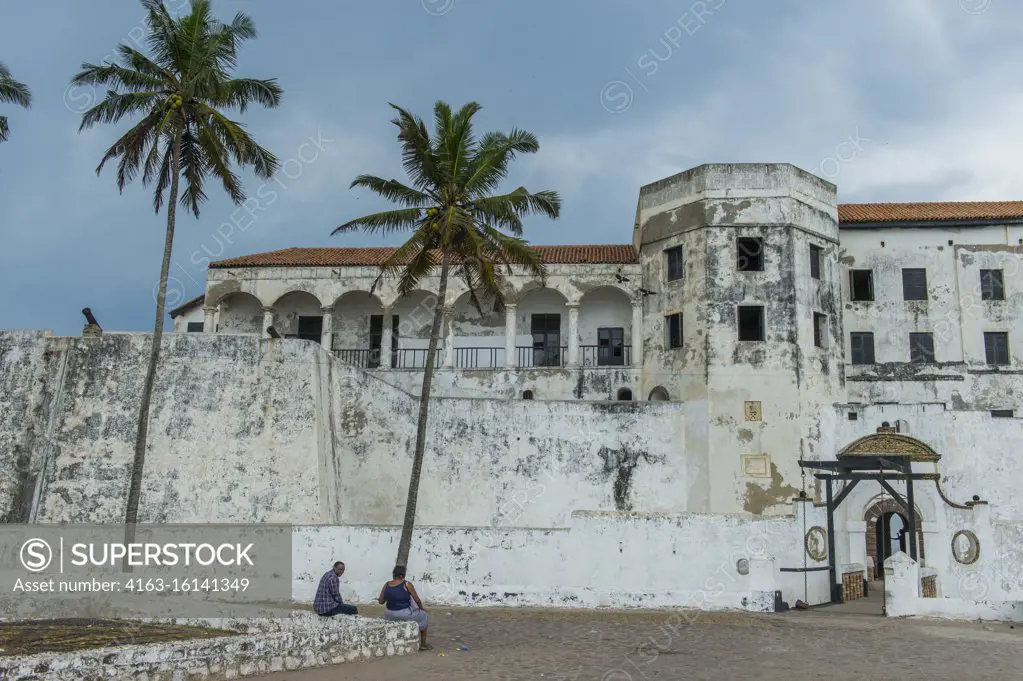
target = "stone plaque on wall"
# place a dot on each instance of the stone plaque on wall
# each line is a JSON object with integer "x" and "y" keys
{"x": 752, "y": 411}
{"x": 756, "y": 466}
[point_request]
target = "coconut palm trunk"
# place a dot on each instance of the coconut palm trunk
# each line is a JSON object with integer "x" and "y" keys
{"x": 405, "y": 544}
{"x": 131, "y": 511}
{"x": 182, "y": 137}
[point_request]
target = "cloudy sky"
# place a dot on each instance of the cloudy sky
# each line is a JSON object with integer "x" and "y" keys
{"x": 906, "y": 100}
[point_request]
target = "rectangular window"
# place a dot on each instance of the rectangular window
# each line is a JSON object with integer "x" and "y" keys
{"x": 310, "y": 328}
{"x": 1003, "y": 413}
{"x": 861, "y": 284}
{"x": 673, "y": 329}
{"x": 996, "y": 347}
{"x": 546, "y": 331}
{"x": 992, "y": 285}
{"x": 751, "y": 322}
{"x": 749, "y": 253}
{"x": 376, "y": 337}
{"x": 610, "y": 347}
{"x": 914, "y": 283}
{"x": 815, "y": 261}
{"x": 195, "y": 327}
{"x": 676, "y": 270}
{"x": 921, "y": 348}
{"x": 861, "y": 345}
{"x": 820, "y": 329}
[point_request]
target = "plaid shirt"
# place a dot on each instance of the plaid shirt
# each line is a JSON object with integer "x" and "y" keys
{"x": 328, "y": 594}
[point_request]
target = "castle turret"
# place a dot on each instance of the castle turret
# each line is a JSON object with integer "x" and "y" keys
{"x": 743, "y": 324}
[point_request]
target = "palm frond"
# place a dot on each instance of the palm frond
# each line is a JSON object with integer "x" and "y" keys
{"x": 394, "y": 191}
{"x": 12, "y": 90}
{"x": 418, "y": 156}
{"x": 241, "y": 92}
{"x": 386, "y": 222}
{"x": 117, "y": 105}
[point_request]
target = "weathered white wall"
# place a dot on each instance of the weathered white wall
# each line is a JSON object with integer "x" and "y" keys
{"x": 244, "y": 430}
{"x": 27, "y": 374}
{"x": 487, "y": 457}
{"x": 235, "y": 432}
{"x": 553, "y": 383}
{"x": 954, "y": 311}
{"x": 747, "y": 465}
{"x": 594, "y": 560}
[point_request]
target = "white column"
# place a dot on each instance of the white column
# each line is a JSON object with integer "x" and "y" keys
{"x": 327, "y": 336}
{"x": 510, "y": 352}
{"x": 449, "y": 339}
{"x": 573, "y": 334}
{"x": 637, "y": 333}
{"x": 208, "y": 323}
{"x": 268, "y": 320}
{"x": 387, "y": 339}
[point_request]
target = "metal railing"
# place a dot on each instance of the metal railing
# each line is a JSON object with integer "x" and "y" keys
{"x": 530, "y": 356}
{"x": 487, "y": 358}
{"x": 405, "y": 358}
{"x": 479, "y": 358}
{"x": 605, "y": 356}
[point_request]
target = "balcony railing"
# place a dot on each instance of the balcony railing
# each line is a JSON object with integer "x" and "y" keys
{"x": 479, "y": 358}
{"x": 405, "y": 358}
{"x": 605, "y": 356}
{"x": 487, "y": 358}
{"x": 530, "y": 356}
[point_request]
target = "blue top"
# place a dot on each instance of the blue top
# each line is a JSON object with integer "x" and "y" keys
{"x": 397, "y": 597}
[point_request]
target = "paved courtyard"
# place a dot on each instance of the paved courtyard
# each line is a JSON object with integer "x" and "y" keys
{"x": 631, "y": 646}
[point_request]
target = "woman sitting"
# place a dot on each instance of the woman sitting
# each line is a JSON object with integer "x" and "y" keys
{"x": 398, "y": 595}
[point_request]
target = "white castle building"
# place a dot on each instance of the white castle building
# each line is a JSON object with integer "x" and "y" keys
{"x": 752, "y": 324}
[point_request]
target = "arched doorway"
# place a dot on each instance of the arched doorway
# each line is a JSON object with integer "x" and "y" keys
{"x": 887, "y": 533}
{"x": 659, "y": 394}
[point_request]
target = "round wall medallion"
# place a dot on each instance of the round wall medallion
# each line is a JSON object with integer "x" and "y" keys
{"x": 817, "y": 542}
{"x": 742, "y": 566}
{"x": 965, "y": 547}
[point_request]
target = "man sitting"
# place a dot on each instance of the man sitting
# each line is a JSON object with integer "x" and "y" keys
{"x": 328, "y": 595}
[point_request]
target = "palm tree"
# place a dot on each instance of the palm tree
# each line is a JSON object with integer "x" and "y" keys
{"x": 14, "y": 92}
{"x": 456, "y": 224}
{"x": 180, "y": 92}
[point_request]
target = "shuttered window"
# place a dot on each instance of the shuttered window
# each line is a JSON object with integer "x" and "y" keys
{"x": 914, "y": 283}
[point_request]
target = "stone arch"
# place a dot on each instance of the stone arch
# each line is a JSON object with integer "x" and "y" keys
{"x": 478, "y": 340}
{"x": 295, "y": 291}
{"x": 530, "y": 287}
{"x": 221, "y": 290}
{"x": 659, "y": 394}
{"x": 291, "y": 307}
{"x": 605, "y": 327}
{"x": 625, "y": 394}
{"x": 544, "y": 345}
{"x": 352, "y": 315}
{"x": 240, "y": 312}
{"x": 883, "y": 505}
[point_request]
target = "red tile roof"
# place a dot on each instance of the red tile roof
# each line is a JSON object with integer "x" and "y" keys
{"x": 615, "y": 254}
{"x": 853, "y": 213}
{"x": 338, "y": 257}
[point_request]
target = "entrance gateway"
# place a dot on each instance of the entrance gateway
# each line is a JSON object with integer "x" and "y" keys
{"x": 882, "y": 458}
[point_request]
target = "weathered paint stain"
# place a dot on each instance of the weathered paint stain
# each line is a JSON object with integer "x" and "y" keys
{"x": 758, "y": 499}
